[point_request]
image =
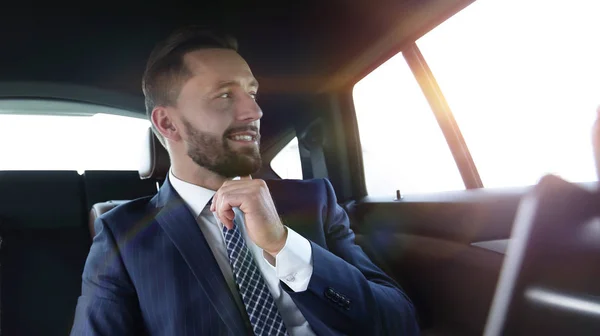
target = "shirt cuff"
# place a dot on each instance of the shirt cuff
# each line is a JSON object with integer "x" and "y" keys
{"x": 293, "y": 264}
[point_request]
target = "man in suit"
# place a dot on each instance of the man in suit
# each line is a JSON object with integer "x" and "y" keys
{"x": 216, "y": 252}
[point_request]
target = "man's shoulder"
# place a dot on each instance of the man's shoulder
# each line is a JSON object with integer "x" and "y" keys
{"x": 311, "y": 185}
{"x": 315, "y": 190}
{"x": 128, "y": 213}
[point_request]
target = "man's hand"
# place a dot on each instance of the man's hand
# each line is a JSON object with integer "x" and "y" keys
{"x": 253, "y": 198}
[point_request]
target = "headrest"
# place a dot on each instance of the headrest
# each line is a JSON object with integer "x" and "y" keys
{"x": 155, "y": 160}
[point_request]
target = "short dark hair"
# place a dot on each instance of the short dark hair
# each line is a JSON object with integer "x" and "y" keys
{"x": 166, "y": 71}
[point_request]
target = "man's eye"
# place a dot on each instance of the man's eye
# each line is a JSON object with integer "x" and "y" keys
{"x": 225, "y": 95}
{"x": 254, "y": 95}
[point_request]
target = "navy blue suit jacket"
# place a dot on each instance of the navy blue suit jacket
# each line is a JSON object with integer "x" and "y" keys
{"x": 151, "y": 271}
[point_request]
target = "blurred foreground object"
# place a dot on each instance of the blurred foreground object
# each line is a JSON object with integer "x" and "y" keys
{"x": 550, "y": 280}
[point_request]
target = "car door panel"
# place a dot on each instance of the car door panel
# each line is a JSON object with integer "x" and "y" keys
{"x": 429, "y": 245}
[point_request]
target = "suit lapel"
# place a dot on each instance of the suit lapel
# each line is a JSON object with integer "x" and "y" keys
{"x": 182, "y": 228}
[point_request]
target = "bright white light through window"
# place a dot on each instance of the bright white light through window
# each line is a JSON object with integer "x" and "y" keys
{"x": 287, "y": 162}
{"x": 63, "y": 142}
{"x": 403, "y": 146}
{"x": 523, "y": 81}
{"x": 521, "y": 78}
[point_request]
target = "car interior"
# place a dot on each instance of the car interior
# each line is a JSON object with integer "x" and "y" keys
{"x": 473, "y": 261}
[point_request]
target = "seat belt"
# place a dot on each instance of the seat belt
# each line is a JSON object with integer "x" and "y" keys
{"x": 313, "y": 139}
{"x": 317, "y": 160}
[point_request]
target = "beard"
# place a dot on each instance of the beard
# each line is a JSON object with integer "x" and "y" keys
{"x": 215, "y": 154}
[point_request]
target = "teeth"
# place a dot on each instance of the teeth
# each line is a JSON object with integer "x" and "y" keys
{"x": 242, "y": 137}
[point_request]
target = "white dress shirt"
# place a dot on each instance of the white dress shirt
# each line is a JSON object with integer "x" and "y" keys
{"x": 293, "y": 264}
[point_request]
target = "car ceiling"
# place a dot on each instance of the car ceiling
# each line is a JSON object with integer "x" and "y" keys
{"x": 292, "y": 46}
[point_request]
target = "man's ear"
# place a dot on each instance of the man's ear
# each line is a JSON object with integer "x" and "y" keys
{"x": 163, "y": 120}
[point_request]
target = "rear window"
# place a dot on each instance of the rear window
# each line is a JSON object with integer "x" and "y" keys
{"x": 521, "y": 78}
{"x": 403, "y": 147}
{"x": 55, "y": 135}
{"x": 287, "y": 164}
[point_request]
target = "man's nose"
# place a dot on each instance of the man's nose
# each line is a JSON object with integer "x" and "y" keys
{"x": 248, "y": 110}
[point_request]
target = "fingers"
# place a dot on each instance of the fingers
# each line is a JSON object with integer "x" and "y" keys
{"x": 223, "y": 211}
{"x": 233, "y": 194}
{"x": 223, "y": 204}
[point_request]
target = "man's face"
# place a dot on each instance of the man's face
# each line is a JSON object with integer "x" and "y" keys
{"x": 219, "y": 114}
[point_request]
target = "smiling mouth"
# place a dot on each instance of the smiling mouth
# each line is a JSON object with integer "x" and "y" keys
{"x": 244, "y": 137}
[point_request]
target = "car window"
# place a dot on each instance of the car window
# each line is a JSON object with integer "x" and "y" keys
{"x": 286, "y": 164}
{"x": 521, "y": 78}
{"x": 68, "y": 136}
{"x": 402, "y": 145}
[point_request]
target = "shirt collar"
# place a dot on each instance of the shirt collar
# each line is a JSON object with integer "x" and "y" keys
{"x": 196, "y": 197}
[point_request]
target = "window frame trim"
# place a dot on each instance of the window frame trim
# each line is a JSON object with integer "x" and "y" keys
{"x": 443, "y": 115}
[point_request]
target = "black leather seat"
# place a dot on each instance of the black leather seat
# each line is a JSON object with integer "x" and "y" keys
{"x": 154, "y": 166}
{"x": 45, "y": 244}
{"x": 103, "y": 185}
